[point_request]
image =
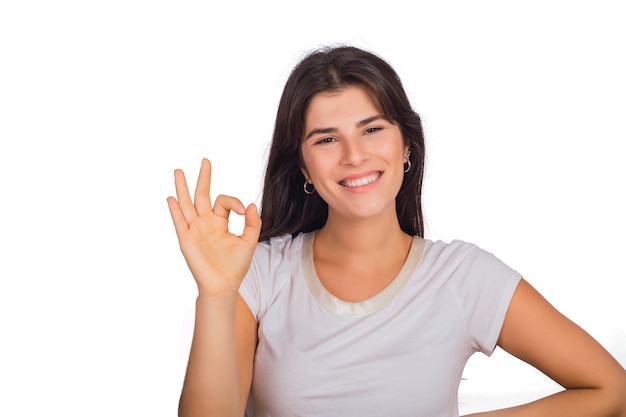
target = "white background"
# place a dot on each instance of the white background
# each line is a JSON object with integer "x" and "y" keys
{"x": 523, "y": 105}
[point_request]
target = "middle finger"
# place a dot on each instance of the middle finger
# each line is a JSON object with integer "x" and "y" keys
{"x": 202, "y": 198}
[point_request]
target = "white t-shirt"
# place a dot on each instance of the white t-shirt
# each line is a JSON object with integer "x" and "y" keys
{"x": 399, "y": 353}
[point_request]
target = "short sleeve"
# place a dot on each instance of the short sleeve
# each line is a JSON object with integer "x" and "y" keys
{"x": 250, "y": 288}
{"x": 484, "y": 286}
{"x": 270, "y": 272}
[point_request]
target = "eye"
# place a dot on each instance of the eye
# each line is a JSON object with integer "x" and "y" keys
{"x": 372, "y": 130}
{"x": 325, "y": 140}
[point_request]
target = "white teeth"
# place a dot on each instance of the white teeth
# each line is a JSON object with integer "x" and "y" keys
{"x": 359, "y": 182}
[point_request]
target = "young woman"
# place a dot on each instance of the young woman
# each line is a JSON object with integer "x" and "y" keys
{"x": 343, "y": 308}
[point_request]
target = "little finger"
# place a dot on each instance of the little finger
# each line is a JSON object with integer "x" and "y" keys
{"x": 180, "y": 224}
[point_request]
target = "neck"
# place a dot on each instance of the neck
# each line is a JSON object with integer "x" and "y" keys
{"x": 357, "y": 238}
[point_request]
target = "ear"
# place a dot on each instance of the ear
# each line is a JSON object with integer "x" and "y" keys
{"x": 305, "y": 173}
{"x": 407, "y": 147}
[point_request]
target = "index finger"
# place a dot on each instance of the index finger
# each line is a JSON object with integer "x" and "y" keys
{"x": 201, "y": 197}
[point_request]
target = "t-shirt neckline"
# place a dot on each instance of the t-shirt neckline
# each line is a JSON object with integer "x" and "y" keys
{"x": 364, "y": 307}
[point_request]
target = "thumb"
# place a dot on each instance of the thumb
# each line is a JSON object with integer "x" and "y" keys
{"x": 252, "y": 228}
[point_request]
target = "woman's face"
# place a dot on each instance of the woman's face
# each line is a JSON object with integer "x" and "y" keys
{"x": 352, "y": 155}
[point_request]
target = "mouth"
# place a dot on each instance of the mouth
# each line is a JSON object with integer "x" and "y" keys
{"x": 359, "y": 182}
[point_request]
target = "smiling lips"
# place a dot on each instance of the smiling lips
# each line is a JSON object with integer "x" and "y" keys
{"x": 359, "y": 182}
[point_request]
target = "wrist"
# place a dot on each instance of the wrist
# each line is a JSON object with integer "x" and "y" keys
{"x": 221, "y": 298}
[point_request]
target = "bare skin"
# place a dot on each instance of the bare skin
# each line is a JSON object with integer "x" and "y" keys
{"x": 348, "y": 140}
{"x": 219, "y": 372}
{"x": 354, "y": 159}
{"x": 538, "y": 334}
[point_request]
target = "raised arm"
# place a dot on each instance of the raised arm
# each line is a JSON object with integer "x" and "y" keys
{"x": 219, "y": 371}
{"x": 535, "y": 332}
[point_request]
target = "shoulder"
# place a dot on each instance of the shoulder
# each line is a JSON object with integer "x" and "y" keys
{"x": 455, "y": 245}
{"x": 480, "y": 284}
{"x": 463, "y": 262}
{"x": 456, "y": 251}
{"x": 275, "y": 262}
{"x": 281, "y": 246}
{"x": 278, "y": 253}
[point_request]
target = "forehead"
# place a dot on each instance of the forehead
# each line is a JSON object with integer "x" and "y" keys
{"x": 348, "y": 105}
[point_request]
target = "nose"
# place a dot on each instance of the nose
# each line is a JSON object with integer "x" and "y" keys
{"x": 355, "y": 152}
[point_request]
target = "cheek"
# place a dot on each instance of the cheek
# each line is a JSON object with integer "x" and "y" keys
{"x": 393, "y": 151}
{"x": 317, "y": 165}
{"x": 317, "y": 169}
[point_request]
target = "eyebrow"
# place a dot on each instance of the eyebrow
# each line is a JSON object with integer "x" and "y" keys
{"x": 325, "y": 130}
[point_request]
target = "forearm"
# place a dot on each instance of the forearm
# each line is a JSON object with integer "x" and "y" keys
{"x": 211, "y": 387}
{"x": 568, "y": 403}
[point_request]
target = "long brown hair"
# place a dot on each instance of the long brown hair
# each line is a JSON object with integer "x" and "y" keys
{"x": 285, "y": 208}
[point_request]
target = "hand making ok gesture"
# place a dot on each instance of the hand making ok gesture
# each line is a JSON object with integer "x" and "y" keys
{"x": 218, "y": 259}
